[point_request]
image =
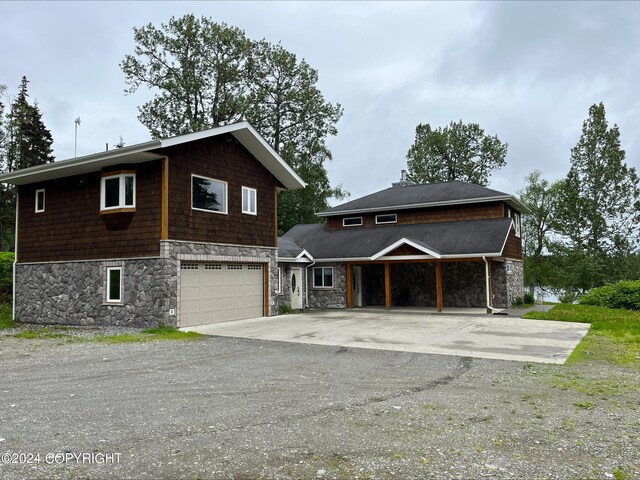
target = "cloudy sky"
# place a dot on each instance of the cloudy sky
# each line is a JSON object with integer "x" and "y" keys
{"x": 525, "y": 71}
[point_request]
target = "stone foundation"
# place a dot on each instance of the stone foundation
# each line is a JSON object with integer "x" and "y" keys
{"x": 74, "y": 293}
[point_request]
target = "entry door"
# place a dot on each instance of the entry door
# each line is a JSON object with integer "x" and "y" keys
{"x": 295, "y": 283}
{"x": 356, "y": 286}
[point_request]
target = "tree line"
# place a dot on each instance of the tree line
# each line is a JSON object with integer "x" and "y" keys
{"x": 582, "y": 231}
{"x": 25, "y": 142}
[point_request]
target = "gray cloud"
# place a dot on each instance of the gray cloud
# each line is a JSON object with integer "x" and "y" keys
{"x": 527, "y": 72}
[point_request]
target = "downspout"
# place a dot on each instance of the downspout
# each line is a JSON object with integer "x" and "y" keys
{"x": 15, "y": 259}
{"x": 306, "y": 283}
{"x": 486, "y": 286}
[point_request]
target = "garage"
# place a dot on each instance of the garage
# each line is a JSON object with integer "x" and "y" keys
{"x": 218, "y": 292}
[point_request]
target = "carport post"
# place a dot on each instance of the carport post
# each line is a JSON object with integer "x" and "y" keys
{"x": 439, "y": 301}
{"x": 387, "y": 285}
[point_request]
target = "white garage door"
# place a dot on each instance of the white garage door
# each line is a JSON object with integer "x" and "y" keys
{"x": 217, "y": 292}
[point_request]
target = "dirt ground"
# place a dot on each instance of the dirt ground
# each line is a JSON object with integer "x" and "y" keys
{"x": 230, "y": 408}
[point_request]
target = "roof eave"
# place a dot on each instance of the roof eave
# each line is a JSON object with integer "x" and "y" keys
{"x": 513, "y": 201}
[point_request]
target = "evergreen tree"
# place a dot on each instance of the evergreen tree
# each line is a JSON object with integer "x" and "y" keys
{"x": 599, "y": 206}
{"x": 25, "y": 142}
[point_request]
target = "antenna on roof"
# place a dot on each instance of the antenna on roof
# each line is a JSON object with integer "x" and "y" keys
{"x": 77, "y": 122}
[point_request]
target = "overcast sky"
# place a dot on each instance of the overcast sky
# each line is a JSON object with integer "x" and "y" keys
{"x": 525, "y": 71}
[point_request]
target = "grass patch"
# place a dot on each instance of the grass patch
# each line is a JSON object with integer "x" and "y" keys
{"x": 40, "y": 333}
{"x": 163, "y": 332}
{"x": 614, "y": 335}
{"x": 6, "y": 312}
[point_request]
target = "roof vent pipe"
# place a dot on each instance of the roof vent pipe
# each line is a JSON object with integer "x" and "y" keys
{"x": 403, "y": 180}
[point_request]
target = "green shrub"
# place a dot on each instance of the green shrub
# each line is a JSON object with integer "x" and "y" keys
{"x": 568, "y": 297}
{"x": 624, "y": 295}
{"x": 529, "y": 298}
{"x": 6, "y": 276}
{"x": 285, "y": 309}
{"x": 518, "y": 302}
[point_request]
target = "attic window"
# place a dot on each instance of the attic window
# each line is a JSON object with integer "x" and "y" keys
{"x": 352, "y": 222}
{"x": 386, "y": 218}
{"x": 516, "y": 222}
{"x": 118, "y": 191}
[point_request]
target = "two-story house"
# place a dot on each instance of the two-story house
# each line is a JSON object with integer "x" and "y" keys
{"x": 451, "y": 244}
{"x": 179, "y": 231}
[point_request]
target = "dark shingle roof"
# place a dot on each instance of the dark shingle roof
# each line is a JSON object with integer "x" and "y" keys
{"x": 472, "y": 238}
{"x": 288, "y": 248}
{"x": 413, "y": 196}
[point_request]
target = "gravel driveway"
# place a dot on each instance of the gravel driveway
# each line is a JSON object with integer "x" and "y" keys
{"x": 232, "y": 408}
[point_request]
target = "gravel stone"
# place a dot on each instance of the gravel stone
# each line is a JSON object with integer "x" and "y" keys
{"x": 286, "y": 410}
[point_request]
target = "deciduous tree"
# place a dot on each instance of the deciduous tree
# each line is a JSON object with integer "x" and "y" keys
{"x": 207, "y": 74}
{"x": 456, "y": 152}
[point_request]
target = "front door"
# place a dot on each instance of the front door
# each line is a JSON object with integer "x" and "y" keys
{"x": 295, "y": 284}
{"x": 356, "y": 286}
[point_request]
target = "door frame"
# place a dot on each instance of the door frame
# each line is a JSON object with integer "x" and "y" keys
{"x": 356, "y": 286}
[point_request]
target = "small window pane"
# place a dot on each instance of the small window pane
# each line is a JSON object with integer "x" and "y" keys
{"x": 317, "y": 277}
{"x": 112, "y": 192}
{"x": 248, "y": 200}
{"x": 128, "y": 190}
{"x": 351, "y": 222}
{"x": 388, "y": 218}
{"x": 209, "y": 194}
{"x": 40, "y": 201}
{"x": 328, "y": 277}
{"x": 114, "y": 284}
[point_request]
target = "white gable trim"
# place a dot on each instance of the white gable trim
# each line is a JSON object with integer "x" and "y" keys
{"x": 242, "y": 131}
{"x": 405, "y": 241}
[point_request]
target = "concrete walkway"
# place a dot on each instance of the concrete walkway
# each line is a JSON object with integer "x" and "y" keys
{"x": 466, "y": 333}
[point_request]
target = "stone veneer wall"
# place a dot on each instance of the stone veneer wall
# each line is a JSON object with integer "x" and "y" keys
{"x": 507, "y": 286}
{"x": 335, "y": 297}
{"x": 74, "y": 293}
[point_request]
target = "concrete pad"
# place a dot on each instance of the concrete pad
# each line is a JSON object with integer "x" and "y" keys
{"x": 468, "y": 334}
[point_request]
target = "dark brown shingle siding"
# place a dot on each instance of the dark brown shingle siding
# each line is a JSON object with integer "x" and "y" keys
{"x": 71, "y": 227}
{"x": 221, "y": 158}
{"x": 428, "y": 215}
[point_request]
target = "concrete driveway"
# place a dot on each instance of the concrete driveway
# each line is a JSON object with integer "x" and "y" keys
{"x": 469, "y": 334}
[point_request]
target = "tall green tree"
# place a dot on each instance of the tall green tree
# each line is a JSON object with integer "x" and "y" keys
{"x": 289, "y": 110}
{"x": 207, "y": 74}
{"x": 456, "y": 152}
{"x": 541, "y": 197}
{"x": 25, "y": 142}
{"x": 599, "y": 205}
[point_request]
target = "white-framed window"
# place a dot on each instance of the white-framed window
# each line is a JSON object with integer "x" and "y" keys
{"x": 352, "y": 222}
{"x": 114, "y": 284}
{"x": 249, "y": 201}
{"x": 208, "y": 194}
{"x": 386, "y": 218}
{"x": 323, "y": 277}
{"x": 279, "y": 284}
{"x": 118, "y": 191}
{"x": 509, "y": 267}
{"x": 40, "y": 200}
{"x": 516, "y": 222}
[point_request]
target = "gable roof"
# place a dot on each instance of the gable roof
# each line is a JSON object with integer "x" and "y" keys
{"x": 420, "y": 196}
{"x": 143, "y": 152}
{"x": 471, "y": 238}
